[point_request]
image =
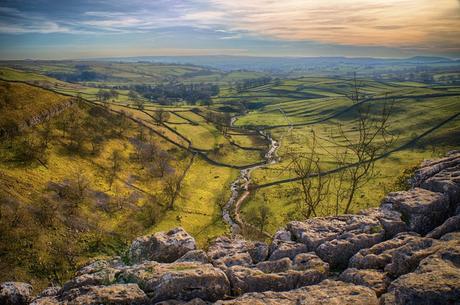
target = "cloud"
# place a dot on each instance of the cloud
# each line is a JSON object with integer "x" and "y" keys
{"x": 391, "y": 23}
{"x": 404, "y": 24}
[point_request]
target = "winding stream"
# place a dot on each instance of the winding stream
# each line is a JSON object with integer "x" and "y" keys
{"x": 240, "y": 187}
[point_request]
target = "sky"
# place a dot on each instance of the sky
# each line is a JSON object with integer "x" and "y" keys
{"x": 63, "y": 29}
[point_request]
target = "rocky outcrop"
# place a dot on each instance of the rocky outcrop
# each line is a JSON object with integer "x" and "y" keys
{"x": 407, "y": 251}
{"x": 441, "y": 176}
{"x": 15, "y": 293}
{"x": 278, "y": 275}
{"x": 435, "y": 281}
{"x": 423, "y": 209}
{"x": 117, "y": 294}
{"x": 183, "y": 280}
{"x": 162, "y": 247}
{"x": 227, "y": 252}
{"x": 450, "y": 225}
{"x": 336, "y": 239}
{"x": 328, "y": 292}
{"x": 374, "y": 279}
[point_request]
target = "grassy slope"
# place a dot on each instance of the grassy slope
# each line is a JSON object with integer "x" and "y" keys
{"x": 24, "y": 183}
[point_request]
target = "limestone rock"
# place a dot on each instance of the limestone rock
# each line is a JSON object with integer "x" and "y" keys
{"x": 380, "y": 255}
{"x": 278, "y": 275}
{"x": 282, "y": 235}
{"x": 446, "y": 181}
{"x": 15, "y": 293}
{"x": 423, "y": 209}
{"x": 101, "y": 277}
{"x": 287, "y": 249}
{"x": 49, "y": 292}
{"x": 337, "y": 239}
{"x": 451, "y": 236}
{"x": 376, "y": 280}
{"x": 118, "y": 294}
{"x": 390, "y": 220}
{"x": 435, "y": 281}
{"x": 450, "y": 225}
{"x": 226, "y": 252}
{"x": 196, "y": 301}
{"x": 429, "y": 168}
{"x": 407, "y": 257}
{"x": 100, "y": 264}
{"x": 162, "y": 247}
{"x": 310, "y": 260}
{"x": 275, "y": 266}
{"x": 327, "y": 292}
{"x": 180, "y": 280}
{"x": 195, "y": 256}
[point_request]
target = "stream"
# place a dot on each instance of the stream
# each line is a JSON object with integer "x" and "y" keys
{"x": 240, "y": 187}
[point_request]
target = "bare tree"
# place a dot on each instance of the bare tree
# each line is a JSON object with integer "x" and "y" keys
{"x": 314, "y": 186}
{"x": 369, "y": 137}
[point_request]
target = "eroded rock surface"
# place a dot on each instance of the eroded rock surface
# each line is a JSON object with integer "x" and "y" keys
{"x": 15, "y": 293}
{"x": 435, "y": 281}
{"x": 374, "y": 279}
{"x": 162, "y": 247}
{"x": 180, "y": 280}
{"x": 328, "y": 292}
{"x": 278, "y": 275}
{"x": 117, "y": 294}
{"x": 423, "y": 209}
{"x": 226, "y": 252}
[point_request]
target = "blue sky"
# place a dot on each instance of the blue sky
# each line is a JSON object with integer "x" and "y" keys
{"x": 50, "y": 29}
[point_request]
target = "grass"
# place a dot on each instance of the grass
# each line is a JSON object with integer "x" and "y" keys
{"x": 134, "y": 187}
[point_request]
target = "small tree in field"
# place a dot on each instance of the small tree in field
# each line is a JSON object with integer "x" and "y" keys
{"x": 260, "y": 216}
{"x": 160, "y": 116}
{"x": 115, "y": 166}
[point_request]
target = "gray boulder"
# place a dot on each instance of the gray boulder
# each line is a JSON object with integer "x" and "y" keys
{"x": 117, "y": 294}
{"x": 162, "y": 247}
{"x": 374, "y": 279}
{"x": 406, "y": 258}
{"x": 424, "y": 210}
{"x": 287, "y": 249}
{"x": 180, "y": 280}
{"x": 15, "y": 293}
{"x": 278, "y": 275}
{"x": 452, "y": 224}
{"x": 435, "y": 281}
{"x": 195, "y": 256}
{"x": 337, "y": 239}
{"x": 327, "y": 292}
{"x": 380, "y": 255}
{"x": 429, "y": 168}
{"x": 226, "y": 252}
{"x": 390, "y": 220}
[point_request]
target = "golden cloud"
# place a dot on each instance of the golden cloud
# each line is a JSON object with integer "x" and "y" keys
{"x": 392, "y": 23}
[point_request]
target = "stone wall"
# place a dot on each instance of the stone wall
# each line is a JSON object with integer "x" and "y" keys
{"x": 407, "y": 251}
